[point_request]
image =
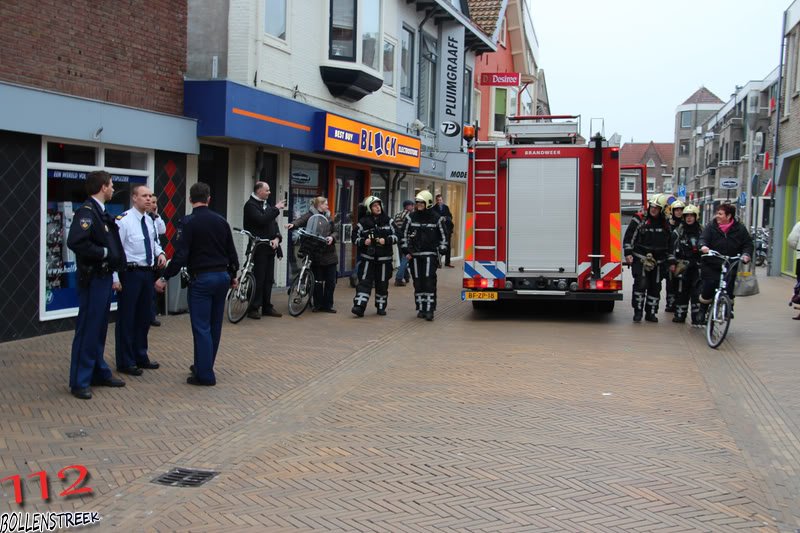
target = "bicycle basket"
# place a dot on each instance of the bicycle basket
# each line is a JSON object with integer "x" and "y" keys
{"x": 311, "y": 244}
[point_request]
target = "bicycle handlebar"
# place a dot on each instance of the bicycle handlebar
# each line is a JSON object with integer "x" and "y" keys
{"x": 250, "y": 235}
{"x": 728, "y": 258}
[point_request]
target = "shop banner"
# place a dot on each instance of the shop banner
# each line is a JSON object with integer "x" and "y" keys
{"x": 348, "y": 137}
{"x": 500, "y": 79}
{"x": 451, "y": 83}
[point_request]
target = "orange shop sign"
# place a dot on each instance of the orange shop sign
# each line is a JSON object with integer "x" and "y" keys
{"x": 349, "y": 137}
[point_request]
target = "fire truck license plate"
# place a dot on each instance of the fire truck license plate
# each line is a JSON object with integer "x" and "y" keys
{"x": 479, "y": 295}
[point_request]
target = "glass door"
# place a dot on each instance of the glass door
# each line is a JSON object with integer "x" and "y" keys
{"x": 349, "y": 184}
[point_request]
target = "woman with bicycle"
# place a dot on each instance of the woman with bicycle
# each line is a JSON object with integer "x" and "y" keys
{"x": 323, "y": 263}
{"x": 727, "y": 236}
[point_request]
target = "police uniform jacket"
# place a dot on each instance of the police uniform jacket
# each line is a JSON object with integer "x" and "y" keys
{"x": 651, "y": 236}
{"x": 736, "y": 241}
{"x": 94, "y": 237}
{"x": 204, "y": 244}
{"x": 377, "y": 227}
{"x": 423, "y": 233}
{"x": 686, "y": 244}
{"x": 261, "y": 219}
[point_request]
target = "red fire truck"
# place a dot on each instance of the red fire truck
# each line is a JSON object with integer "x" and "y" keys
{"x": 543, "y": 216}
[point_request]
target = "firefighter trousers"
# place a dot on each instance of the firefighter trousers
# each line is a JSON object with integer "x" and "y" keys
{"x": 373, "y": 272}
{"x": 646, "y": 288}
{"x": 423, "y": 272}
{"x": 688, "y": 291}
{"x": 670, "y": 287}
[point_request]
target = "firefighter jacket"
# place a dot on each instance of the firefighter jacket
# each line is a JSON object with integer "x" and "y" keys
{"x": 374, "y": 228}
{"x": 736, "y": 241}
{"x": 423, "y": 233}
{"x": 633, "y": 225}
{"x": 650, "y": 236}
{"x": 685, "y": 244}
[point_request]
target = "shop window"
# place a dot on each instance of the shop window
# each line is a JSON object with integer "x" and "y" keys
{"x": 126, "y": 159}
{"x": 307, "y": 180}
{"x": 72, "y": 154}
{"x": 407, "y": 62}
{"x": 275, "y": 18}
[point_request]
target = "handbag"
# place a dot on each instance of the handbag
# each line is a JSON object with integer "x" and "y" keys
{"x": 746, "y": 284}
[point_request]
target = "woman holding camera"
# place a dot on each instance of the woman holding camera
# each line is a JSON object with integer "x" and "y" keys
{"x": 375, "y": 239}
{"x": 323, "y": 264}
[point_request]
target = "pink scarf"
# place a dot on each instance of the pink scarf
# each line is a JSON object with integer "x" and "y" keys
{"x": 726, "y": 227}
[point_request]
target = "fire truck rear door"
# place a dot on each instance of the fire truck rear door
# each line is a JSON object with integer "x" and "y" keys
{"x": 542, "y": 216}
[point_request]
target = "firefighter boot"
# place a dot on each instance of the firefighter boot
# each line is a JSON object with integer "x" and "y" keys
{"x": 652, "y": 309}
{"x": 680, "y": 313}
{"x": 429, "y": 316}
{"x": 697, "y": 316}
{"x": 638, "y": 306}
{"x": 670, "y": 307}
{"x": 702, "y": 315}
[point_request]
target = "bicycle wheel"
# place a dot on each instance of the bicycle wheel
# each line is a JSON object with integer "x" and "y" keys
{"x": 300, "y": 291}
{"x": 719, "y": 320}
{"x": 239, "y": 299}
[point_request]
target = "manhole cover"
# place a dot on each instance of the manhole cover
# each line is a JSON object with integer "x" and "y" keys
{"x": 184, "y": 477}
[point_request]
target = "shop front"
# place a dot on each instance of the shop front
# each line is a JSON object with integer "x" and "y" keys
{"x": 787, "y": 211}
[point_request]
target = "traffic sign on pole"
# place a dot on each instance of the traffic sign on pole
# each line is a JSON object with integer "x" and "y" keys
{"x": 743, "y": 199}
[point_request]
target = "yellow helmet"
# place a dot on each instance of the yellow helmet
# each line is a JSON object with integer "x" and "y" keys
{"x": 369, "y": 200}
{"x": 691, "y": 210}
{"x": 658, "y": 200}
{"x": 426, "y": 197}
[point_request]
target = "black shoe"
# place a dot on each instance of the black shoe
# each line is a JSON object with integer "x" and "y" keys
{"x": 399, "y": 283}
{"x": 82, "y": 394}
{"x": 328, "y": 310}
{"x": 449, "y": 266}
{"x": 155, "y": 323}
{"x": 678, "y": 320}
{"x": 356, "y": 310}
{"x": 150, "y": 365}
{"x": 131, "y": 371}
{"x": 191, "y": 369}
{"x": 429, "y": 316}
{"x": 637, "y": 316}
{"x": 420, "y": 314}
{"x": 271, "y": 312}
{"x": 382, "y": 312}
{"x": 650, "y": 318}
{"x": 255, "y": 315}
{"x": 113, "y": 382}
{"x": 669, "y": 309}
{"x": 192, "y": 380}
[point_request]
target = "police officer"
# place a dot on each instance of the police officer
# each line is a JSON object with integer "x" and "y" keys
{"x": 674, "y": 214}
{"x": 375, "y": 239}
{"x": 646, "y": 245}
{"x": 260, "y": 219}
{"x": 139, "y": 237}
{"x": 423, "y": 238}
{"x": 204, "y": 245}
{"x": 94, "y": 238}
{"x": 684, "y": 261}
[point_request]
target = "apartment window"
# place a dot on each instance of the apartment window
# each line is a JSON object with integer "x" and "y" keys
{"x": 388, "y": 63}
{"x": 407, "y": 62}
{"x": 668, "y": 186}
{"x": 275, "y": 18}
{"x": 651, "y": 185}
{"x": 737, "y": 149}
{"x": 476, "y": 110}
{"x": 651, "y": 164}
{"x": 683, "y": 148}
{"x": 426, "y": 109}
{"x": 500, "y": 107}
{"x": 343, "y": 30}
{"x": 682, "y": 174}
{"x": 466, "y": 96}
{"x": 686, "y": 119}
{"x": 796, "y": 61}
{"x": 627, "y": 184}
{"x": 370, "y": 34}
{"x": 501, "y": 39}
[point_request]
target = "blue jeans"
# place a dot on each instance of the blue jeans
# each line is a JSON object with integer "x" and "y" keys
{"x": 401, "y": 270}
{"x": 206, "y": 308}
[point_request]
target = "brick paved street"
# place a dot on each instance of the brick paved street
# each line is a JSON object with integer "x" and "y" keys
{"x": 546, "y": 420}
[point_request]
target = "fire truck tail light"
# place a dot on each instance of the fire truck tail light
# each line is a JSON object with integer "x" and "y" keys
{"x": 603, "y": 285}
{"x": 483, "y": 283}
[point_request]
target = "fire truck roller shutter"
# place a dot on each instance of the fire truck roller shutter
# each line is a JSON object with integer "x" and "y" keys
{"x": 542, "y": 215}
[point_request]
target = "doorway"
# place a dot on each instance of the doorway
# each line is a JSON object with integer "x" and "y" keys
{"x": 349, "y": 187}
{"x": 212, "y": 168}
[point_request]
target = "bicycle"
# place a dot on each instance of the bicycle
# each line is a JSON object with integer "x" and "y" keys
{"x": 301, "y": 289}
{"x": 239, "y": 300}
{"x": 718, "y": 319}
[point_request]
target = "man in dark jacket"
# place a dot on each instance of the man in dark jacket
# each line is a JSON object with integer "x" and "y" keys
{"x": 646, "y": 245}
{"x": 260, "y": 219}
{"x": 422, "y": 239}
{"x": 727, "y": 236}
{"x": 447, "y": 217}
{"x": 375, "y": 239}
{"x": 94, "y": 237}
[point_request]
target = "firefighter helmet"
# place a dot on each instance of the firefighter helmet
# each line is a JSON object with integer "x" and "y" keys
{"x": 426, "y": 197}
{"x": 369, "y": 200}
{"x": 658, "y": 200}
{"x": 677, "y": 204}
{"x": 691, "y": 210}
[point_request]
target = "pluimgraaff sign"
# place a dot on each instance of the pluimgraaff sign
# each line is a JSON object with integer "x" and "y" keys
{"x": 451, "y": 83}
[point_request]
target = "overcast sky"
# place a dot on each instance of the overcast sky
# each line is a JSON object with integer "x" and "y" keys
{"x": 632, "y": 62}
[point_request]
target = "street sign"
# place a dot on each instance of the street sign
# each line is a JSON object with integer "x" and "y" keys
{"x": 743, "y": 199}
{"x": 682, "y": 191}
{"x": 729, "y": 183}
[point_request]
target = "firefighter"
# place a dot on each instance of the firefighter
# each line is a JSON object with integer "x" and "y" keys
{"x": 684, "y": 265}
{"x": 646, "y": 245}
{"x": 375, "y": 239}
{"x": 423, "y": 238}
{"x": 674, "y": 214}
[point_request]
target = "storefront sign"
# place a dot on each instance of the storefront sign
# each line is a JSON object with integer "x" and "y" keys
{"x": 349, "y": 137}
{"x": 500, "y": 79}
{"x": 457, "y": 164}
{"x": 81, "y": 175}
{"x": 451, "y": 83}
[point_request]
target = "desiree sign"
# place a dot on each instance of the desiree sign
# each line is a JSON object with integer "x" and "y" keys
{"x": 500, "y": 79}
{"x": 344, "y": 136}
